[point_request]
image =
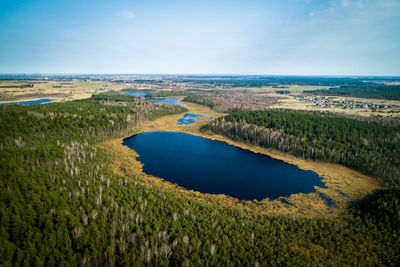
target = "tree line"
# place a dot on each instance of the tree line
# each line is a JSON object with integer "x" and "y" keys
{"x": 62, "y": 204}
{"x": 370, "y": 90}
{"x": 369, "y": 147}
{"x": 201, "y": 100}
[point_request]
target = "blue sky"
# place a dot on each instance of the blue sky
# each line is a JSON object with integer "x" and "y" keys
{"x": 287, "y": 37}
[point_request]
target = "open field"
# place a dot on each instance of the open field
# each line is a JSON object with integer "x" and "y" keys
{"x": 297, "y": 101}
{"x": 16, "y": 90}
{"x": 343, "y": 184}
{"x": 60, "y": 90}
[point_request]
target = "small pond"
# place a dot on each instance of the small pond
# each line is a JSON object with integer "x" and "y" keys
{"x": 216, "y": 167}
{"x": 189, "y": 118}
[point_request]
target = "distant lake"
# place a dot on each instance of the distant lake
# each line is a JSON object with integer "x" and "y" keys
{"x": 216, "y": 167}
{"x": 166, "y": 100}
{"x": 30, "y": 102}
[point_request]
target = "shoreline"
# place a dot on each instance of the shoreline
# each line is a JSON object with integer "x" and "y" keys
{"x": 14, "y": 102}
{"x": 342, "y": 183}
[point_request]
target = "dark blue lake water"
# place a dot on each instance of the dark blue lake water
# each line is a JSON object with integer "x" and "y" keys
{"x": 167, "y": 100}
{"x": 215, "y": 167}
{"x": 30, "y": 102}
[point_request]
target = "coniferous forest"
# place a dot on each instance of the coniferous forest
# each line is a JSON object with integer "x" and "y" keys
{"x": 362, "y": 90}
{"x": 61, "y": 204}
{"x": 199, "y": 133}
{"x": 369, "y": 147}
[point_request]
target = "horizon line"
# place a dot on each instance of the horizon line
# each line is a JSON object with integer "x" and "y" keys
{"x": 198, "y": 74}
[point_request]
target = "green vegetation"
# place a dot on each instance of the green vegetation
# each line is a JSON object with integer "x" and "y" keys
{"x": 190, "y": 92}
{"x": 135, "y": 90}
{"x": 283, "y": 92}
{"x": 113, "y": 96}
{"x": 262, "y": 81}
{"x": 281, "y": 89}
{"x": 198, "y": 99}
{"x": 381, "y": 208}
{"x": 25, "y": 85}
{"x": 61, "y": 204}
{"x": 365, "y": 146}
{"x": 156, "y": 94}
{"x": 363, "y": 90}
{"x": 193, "y": 96}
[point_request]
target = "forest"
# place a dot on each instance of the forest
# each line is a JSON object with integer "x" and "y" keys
{"x": 260, "y": 81}
{"x": 201, "y": 100}
{"x": 369, "y": 147}
{"x": 61, "y": 203}
{"x": 187, "y": 92}
{"x": 370, "y": 90}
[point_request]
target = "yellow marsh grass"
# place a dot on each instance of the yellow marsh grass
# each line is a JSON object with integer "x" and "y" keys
{"x": 336, "y": 177}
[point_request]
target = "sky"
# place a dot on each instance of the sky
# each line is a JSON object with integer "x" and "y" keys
{"x": 270, "y": 37}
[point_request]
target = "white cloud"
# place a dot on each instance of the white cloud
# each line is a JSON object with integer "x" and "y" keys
{"x": 127, "y": 14}
{"x": 345, "y": 3}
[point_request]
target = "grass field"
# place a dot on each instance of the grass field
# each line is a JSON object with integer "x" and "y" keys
{"x": 293, "y": 102}
{"x": 11, "y": 90}
{"x": 61, "y": 91}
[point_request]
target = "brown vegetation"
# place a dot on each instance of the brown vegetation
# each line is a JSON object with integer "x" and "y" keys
{"x": 248, "y": 100}
{"x": 343, "y": 184}
{"x": 62, "y": 91}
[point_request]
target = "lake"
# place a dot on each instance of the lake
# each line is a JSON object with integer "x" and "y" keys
{"x": 166, "y": 100}
{"x": 216, "y": 167}
{"x": 30, "y": 102}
